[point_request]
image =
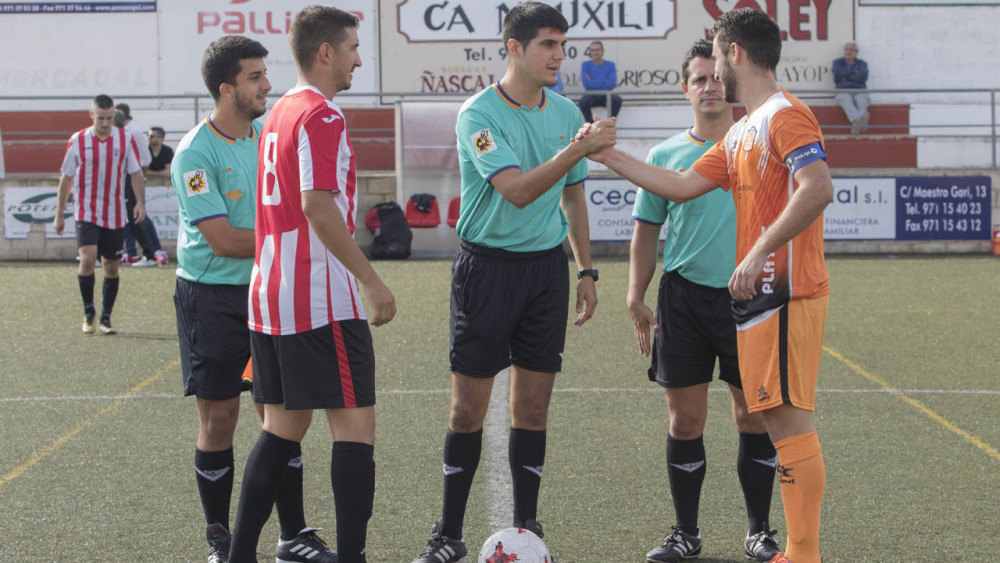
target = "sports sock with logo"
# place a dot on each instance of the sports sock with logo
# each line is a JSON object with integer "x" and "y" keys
{"x": 686, "y": 471}
{"x": 352, "y": 473}
{"x": 802, "y": 478}
{"x": 109, "y": 294}
{"x": 264, "y": 472}
{"x": 291, "y": 512}
{"x": 214, "y": 473}
{"x": 461, "y": 458}
{"x": 87, "y": 293}
{"x": 526, "y": 455}
{"x": 755, "y": 466}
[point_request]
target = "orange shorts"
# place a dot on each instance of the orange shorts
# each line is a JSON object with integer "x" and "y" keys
{"x": 779, "y": 356}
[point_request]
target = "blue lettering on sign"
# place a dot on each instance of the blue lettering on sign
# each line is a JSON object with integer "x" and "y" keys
{"x": 612, "y": 199}
{"x": 943, "y": 208}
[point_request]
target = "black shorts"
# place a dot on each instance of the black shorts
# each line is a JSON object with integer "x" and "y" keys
{"x": 214, "y": 338}
{"x": 696, "y": 327}
{"x": 109, "y": 242}
{"x": 508, "y": 308}
{"x": 330, "y": 367}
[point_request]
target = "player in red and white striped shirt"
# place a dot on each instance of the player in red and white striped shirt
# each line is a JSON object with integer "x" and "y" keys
{"x": 310, "y": 340}
{"x": 97, "y": 161}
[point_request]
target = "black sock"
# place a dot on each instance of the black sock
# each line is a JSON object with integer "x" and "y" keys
{"x": 87, "y": 293}
{"x": 526, "y": 455}
{"x": 461, "y": 459}
{"x": 214, "y": 473}
{"x": 755, "y": 466}
{"x": 352, "y": 473}
{"x": 291, "y": 513}
{"x": 262, "y": 476}
{"x": 109, "y": 295}
{"x": 686, "y": 470}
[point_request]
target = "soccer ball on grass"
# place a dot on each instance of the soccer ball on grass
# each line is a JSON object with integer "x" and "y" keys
{"x": 514, "y": 545}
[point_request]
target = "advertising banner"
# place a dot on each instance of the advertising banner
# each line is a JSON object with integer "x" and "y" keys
{"x": 24, "y": 207}
{"x": 454, "y": 46}
{"x": 188, "y": 26}
{"x": 862, "y": 209}
{"x": 943, "y": 208}
{"x": 106, "y": 7}
{"x": 609, "y": 209}
{"x": 906, "y": 208}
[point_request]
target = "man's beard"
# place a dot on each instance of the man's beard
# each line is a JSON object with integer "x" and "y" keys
{"x": 246, "y": 106}
{"x": 729, "y": 83}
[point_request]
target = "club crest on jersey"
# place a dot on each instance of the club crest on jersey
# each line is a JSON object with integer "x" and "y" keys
{"x": 483, "y": 141}
{"x": 195, "y": 182}
{"x": 749, "y": 139}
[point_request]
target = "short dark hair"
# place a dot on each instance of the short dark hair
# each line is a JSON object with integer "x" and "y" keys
{"x": 753, "y": 30}
{"x": 119, "y": 119}
{"x": 701, "y": 48}
{"x": 223, "y": 58}
{"x": 524, "y": 20}
{"x": 596, "y": 42}
{"x": 158, "y": 130}
{"x": 314, "y": 26}
{"x": 103, "y": 101}
{"x": 123, "y": 107}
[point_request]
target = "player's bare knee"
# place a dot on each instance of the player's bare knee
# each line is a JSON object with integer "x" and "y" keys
{"x": 749, "y": 423}
{"x": 684, "y": 427}
{"x": 466, "y": 417}
{"x": 530, "y": 415}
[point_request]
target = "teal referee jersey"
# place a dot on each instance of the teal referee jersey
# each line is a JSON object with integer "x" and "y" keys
{"x": 701, "y": 235}
{"x": 496, "y": 133}
{"x": 214, "y": 176}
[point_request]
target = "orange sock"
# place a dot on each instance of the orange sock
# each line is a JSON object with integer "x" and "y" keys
{"x": 802, "y": 478}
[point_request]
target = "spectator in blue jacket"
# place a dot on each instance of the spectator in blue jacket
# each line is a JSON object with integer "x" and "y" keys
{"x": 851, "y": 73}
{"x": 598, "y": 74}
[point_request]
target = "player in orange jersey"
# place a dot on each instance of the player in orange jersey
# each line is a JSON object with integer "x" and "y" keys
{"x": 773, "y": 162}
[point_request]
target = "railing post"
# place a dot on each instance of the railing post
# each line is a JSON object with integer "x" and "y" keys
{"x": 993, "y": 125}
{"x": 196, "y": 112}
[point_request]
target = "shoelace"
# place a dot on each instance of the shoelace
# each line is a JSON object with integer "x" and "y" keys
{"x": 311, "y": 537}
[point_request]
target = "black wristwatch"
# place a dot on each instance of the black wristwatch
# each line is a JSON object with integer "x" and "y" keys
{"x": 592, "y": 272}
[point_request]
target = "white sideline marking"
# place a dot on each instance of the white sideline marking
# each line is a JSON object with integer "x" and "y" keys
{"x": 497, "y": 433}
{"x": 651, "y": 389}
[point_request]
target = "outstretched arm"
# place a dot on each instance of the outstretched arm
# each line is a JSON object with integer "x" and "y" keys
{"x": 523, "y": 187}
{"x": 668, "y": 184}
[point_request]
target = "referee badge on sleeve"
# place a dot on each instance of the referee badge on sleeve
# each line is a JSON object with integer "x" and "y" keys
{"x": 195, "y": 183}
{"x": 483, "y": 141}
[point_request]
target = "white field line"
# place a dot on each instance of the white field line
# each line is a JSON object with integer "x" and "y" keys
{"x": 651, "y": 389}
{"x": 497, "y": 433}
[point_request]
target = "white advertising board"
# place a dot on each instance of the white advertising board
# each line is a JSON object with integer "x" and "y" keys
{"x": 188, "y": 26}
{"x": 862, "y": 209}
{"x": 25, "y": 206}
{"x": 454, "y": 46}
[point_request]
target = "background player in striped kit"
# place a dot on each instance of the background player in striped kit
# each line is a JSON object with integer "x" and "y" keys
{"x": 311, "y": 342}
{"x": 97, "y": 161}
{"x": 774, "y": 162}
{"x": 215, "y": 177}
{"x": 694, "y": 324}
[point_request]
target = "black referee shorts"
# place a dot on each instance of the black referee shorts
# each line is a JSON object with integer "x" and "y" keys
{"x": 508, "y": 308}
{"x": 696, "y": 327}
{"x": 214, "y": 338}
